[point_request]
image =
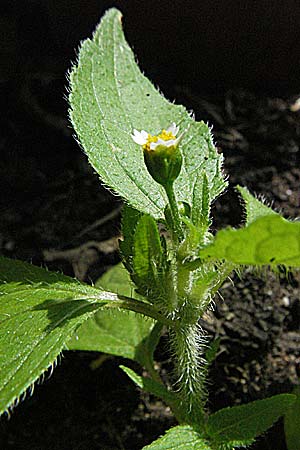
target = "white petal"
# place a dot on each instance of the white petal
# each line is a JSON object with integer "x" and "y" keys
{"x": 153, "y": 145}
{"x": 170, "y": 142}
{"x": 167, "y": 143}
{"x": 139, "y": 137}
{"x": 164, "y": 143}
{"x": 144, "y": 134}
{"x": 173, "y": 129}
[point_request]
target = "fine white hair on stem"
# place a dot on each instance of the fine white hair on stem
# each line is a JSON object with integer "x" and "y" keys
{"x": 188, "y": 343}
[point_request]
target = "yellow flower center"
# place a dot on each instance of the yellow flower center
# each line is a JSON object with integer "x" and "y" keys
{"x": 164, "y": 135}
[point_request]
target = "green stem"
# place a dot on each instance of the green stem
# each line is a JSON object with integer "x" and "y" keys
{"x": 174, "y": 211}
{"x": 122, "y": 302}
{"x": 190, "y": 372}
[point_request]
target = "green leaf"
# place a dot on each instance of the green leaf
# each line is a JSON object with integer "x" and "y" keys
{"x": 130, "y": 218}
{"x": 254, "y": 208}
{"x": 292, "y": 423}
{"x": 201, "y": 202}
{"x": 36, "y": 320}
{"x": 182, "y": 437}
{"x": 117, "y": 280}
{"x": 270, "y": 240}
{"x": 147, "y": 251}
{"x": 211, "y": 352}
{"x": 117, "y": 332}
{"x": 241, "y": 423}
{"x": 235, "y": 444}
{"x": 150, "y": 269}
{"x": 109, "y": 98}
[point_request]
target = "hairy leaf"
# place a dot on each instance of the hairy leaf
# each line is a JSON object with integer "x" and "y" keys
{"x": 36, "y": 320}
{"x": 235, "y": 444}
{"x": 182, "y": 437}
{"x": 254, "y": 208}
{"x": 269, "y": 240}
{"x": 241, "y": 423}
{"x": 117, "y": 332}
{"x": 109, "y": 98}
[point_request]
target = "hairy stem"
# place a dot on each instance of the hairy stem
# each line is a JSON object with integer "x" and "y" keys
{"x": 190, "y": 371}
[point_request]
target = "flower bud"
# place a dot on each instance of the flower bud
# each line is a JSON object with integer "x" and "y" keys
{"x": 163, "y": 163}
{"x": 161, "y": 154}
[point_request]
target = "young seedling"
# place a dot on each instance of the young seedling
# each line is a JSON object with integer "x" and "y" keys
{"x": 164, "y": 165}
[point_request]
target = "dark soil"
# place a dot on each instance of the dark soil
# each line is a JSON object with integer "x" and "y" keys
{"x": 51, "y": 200}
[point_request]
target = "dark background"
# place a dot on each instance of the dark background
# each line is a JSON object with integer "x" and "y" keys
{"x": 203, "y": 48}
{"x": 210, "y": 45}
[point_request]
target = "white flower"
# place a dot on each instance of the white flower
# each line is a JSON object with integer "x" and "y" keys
{"x": 166, "y": 138}
{"x": 140, "y": 137}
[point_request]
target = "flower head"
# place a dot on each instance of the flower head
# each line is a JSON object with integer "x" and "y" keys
{"x": 161, "y": 153}
{"x": 167, "y": 138}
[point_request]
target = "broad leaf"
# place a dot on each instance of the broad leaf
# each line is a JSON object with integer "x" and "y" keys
{"x": 182, "y": 437}
{"x": 109, "y": 98}
{"x": 269, "y": 240}
{"x": 117, "y": 332}
{"x": 254, "y": 208}
{"x": 245, "y": 422}
{"x": 292, "y": 423}
{"x": 36, "y": 319}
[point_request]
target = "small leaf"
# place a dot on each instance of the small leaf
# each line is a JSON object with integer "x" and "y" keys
{"x": 254, "y": 207}
{"x": 36, "y": 320}
{"x": 241, "y": 423}
{"x": 117, "y": 332}
{"x": 270, "y": 240}
{"x": 182, "y": 437}
{"x": 147, "y": 253}
{"x": 292, "y": 423}
{"x": 201, "y": 202}
{"x": 110, "y": 97}
{"x": 130, "y": 218}
{"x": 211, "y": 352}
{"x": 149, "y": 261}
